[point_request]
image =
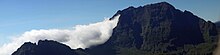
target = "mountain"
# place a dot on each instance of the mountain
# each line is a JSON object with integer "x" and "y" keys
{"x": 44, "y": 47}
{"x": 158, "y": 29}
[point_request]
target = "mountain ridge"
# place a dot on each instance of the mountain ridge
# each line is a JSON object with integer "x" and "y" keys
{"x": 44, "y": 47}
{"x": 156, "y": 29}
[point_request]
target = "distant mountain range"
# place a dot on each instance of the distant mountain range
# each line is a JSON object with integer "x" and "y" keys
{"x": 157, "y": 29}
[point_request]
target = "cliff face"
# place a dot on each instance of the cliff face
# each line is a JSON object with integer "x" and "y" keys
{"x": 160, "y": 29}
{"x": 155, "y": 29}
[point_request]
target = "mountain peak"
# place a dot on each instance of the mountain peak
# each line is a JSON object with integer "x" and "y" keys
{"x": 159, "y": 6}
{"x": 28, "y": 43}
{"x": 162, "y": 4}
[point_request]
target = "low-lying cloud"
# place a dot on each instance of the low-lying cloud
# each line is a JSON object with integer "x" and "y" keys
{"x": 80, "y": 36}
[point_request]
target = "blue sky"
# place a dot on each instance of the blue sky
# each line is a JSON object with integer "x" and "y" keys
{"x": 18, "y": 16}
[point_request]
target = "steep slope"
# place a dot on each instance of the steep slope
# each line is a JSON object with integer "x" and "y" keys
{"x": 155, "y": 29}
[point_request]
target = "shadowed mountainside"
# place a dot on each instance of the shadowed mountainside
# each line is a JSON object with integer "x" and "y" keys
{"x": 217, "y": 23}
{"x": 217, "y": 51}
{"x": 155, "y": 29}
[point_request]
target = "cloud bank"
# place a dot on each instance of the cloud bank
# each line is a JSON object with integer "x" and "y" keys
{"x": 80, "y": 36}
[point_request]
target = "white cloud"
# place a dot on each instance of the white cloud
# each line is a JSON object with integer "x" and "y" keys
{"x": 81, "y": 36}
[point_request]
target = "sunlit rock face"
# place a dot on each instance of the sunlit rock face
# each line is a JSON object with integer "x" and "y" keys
{"x": 158, "y": 29}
